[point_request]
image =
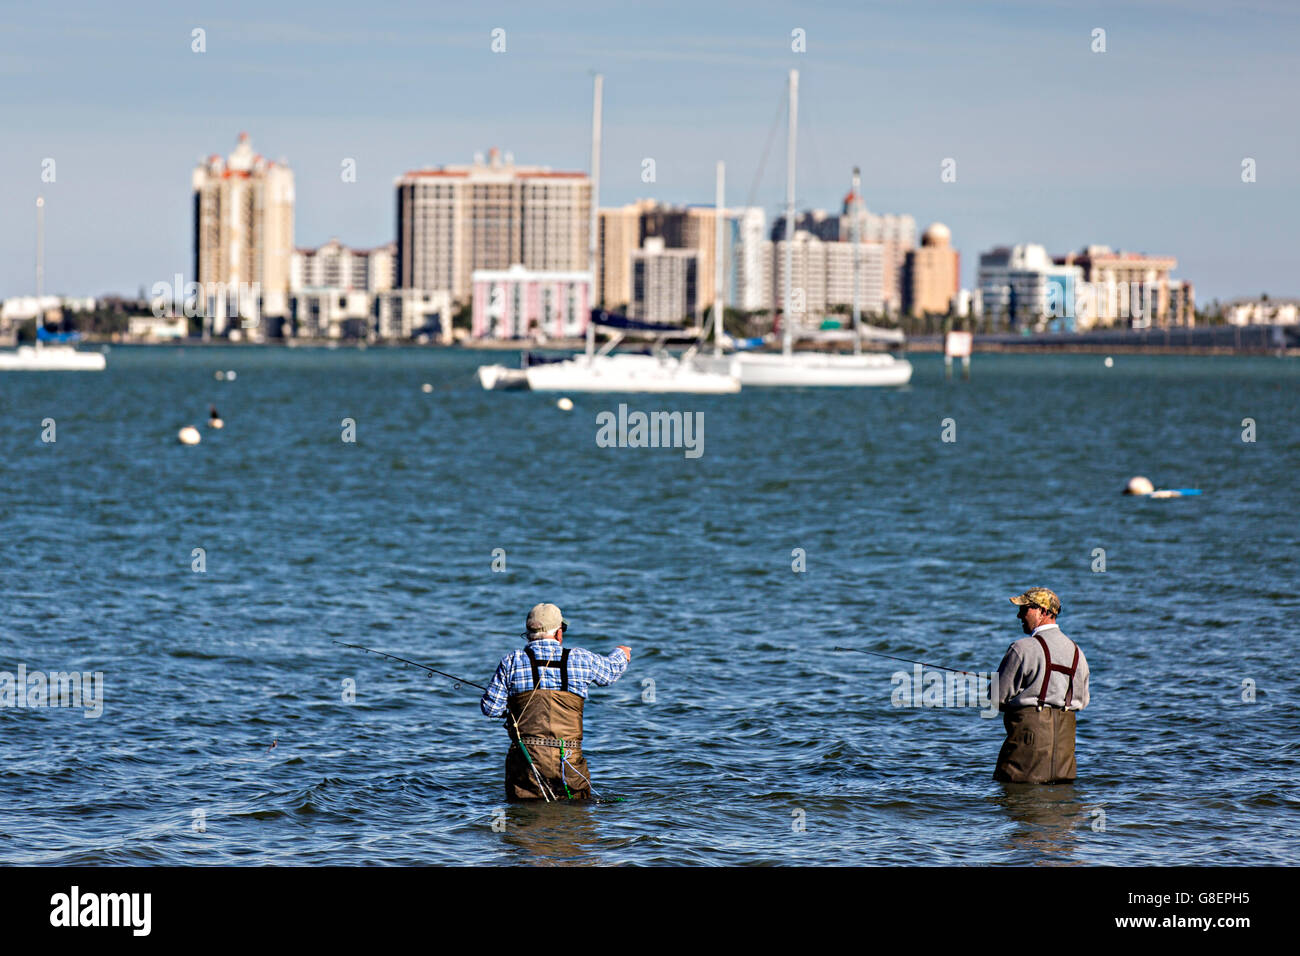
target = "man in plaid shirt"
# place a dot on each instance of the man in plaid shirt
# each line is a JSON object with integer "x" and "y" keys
{"x": 542, "y": 689}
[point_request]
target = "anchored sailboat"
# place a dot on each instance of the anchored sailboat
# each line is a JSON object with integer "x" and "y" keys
{"x": 792, "y": 368}
{"x": 606, "y": 370}
{"x": 49, "y": 353}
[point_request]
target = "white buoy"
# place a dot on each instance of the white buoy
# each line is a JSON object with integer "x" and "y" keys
{"x": 1139, "y": 485}
{"x": 189, "y": 435}
{"x": 218, "y": 375}
{"x": 1110, "y": 362}
{"x": 426, "y": 388}
{"x": 216, "y": 423}
{"x": 230, "y": 376}
{"x": 565, "y": 404}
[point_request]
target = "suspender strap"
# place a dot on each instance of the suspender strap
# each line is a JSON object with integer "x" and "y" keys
{"x": 1069, "y": 689}
{"x": 562, "y": 664}
{"x": 1059, "y": 669}
{"x": 537, "y": 677}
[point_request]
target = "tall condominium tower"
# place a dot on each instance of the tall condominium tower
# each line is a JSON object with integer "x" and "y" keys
{"x": 243, "y": 225}
{"x": 488, "y": 215}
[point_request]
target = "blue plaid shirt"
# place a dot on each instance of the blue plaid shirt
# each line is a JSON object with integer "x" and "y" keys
{"x": 515, "y": 673}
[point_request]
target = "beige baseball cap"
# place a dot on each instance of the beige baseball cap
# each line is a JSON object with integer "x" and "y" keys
{"x": 1042, "y": 598}
{"x": 544, "y": 618}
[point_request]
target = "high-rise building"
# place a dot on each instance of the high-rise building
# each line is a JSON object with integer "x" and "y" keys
{"x": 931, "y": 274}
{"x": 619, "y": 237}
{"x": 686, "y": 227}
{"x": 243, "y": 228}
{"x": 625, "y": 230}
{"x": 488, "y": 215}
{"x": 665, "y": 283}
{"x": 822, "y": 276}
{"x": 895, "y": 234}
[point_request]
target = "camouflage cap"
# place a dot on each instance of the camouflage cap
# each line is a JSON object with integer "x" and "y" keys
{"x": 1041, "y": 598}
{"x": 544, "y": 618}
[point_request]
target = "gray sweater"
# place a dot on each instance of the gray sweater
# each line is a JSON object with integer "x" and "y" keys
{"x": 1020, "y": 675}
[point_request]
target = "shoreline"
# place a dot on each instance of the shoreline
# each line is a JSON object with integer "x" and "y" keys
{"x": 1279, "y": 340}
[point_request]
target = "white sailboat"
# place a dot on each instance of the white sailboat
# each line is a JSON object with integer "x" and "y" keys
{"x": 606, "y": 370}
{"x": 791, "y": 368}
{"x": 51, "y": 358}
{"x": 41, "y": 356}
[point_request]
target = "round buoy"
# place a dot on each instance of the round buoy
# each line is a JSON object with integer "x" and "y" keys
{"x": 565, "y": 404}
{"x": 216, "y": 423}
{"x": 230, "y": 376}
{"x": 426, "y": 388}
{"x": 1110, "y": 362}
{"x": 218, "y": 375}
{"x": 189, "y": 435}
{"x": 1138, "y": 485}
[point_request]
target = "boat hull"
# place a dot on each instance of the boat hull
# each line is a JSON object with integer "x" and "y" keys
{"x": 630, "y": 373}
{"x": 502, "y": 379}
{"x": 820, "y": 369}
{"x": 51, "y": 359}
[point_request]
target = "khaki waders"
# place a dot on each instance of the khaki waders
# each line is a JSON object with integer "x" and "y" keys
{"x": 1040, "y": 740}
{"x": 550, "y": 727}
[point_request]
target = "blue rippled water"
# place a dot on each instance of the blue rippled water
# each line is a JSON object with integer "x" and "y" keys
{"x": 224, "y": 736}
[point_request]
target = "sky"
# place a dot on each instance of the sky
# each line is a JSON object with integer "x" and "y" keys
{"x": 1139, "y": 147}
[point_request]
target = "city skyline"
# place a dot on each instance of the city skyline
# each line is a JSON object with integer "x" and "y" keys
{"x": 1143, "y": 149}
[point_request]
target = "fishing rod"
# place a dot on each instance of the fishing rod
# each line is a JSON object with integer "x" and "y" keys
{"x": 423, "y": 667}
{"x": 905, "y": 660}
{"x": 546, "y": 791}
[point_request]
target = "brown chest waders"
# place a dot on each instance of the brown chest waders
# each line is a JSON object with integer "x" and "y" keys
{"x": 1040, "y": 740}
{"x": 546, "y": 739}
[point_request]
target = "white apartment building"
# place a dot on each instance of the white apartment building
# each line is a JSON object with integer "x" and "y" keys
{"x": 822, "y": 276}
{"x": 336, "y": 266}
{"x": 747, "y": 290}
{"x": 491, "y": 214}
{"x": 393, "y": 314}
{"x": 1021, "y": 285}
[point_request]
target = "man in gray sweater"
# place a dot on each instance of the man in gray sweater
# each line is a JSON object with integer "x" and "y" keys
{"x": 1042, "y": 683}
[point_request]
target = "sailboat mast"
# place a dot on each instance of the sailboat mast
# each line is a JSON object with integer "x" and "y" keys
{"x": 40, "y": 268}
{"x": 718, "y": 255}
{"x": 792, "y": 132}
{"x": 855, "y": 237}
{"x": 593, "y": 225}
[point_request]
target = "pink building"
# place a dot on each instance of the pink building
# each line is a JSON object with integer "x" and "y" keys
{"x": 519, "y": 303}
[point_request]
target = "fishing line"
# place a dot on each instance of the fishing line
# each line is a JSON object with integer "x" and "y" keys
{"x": 905, "y": 660}
{"x": 402, "y": 660}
